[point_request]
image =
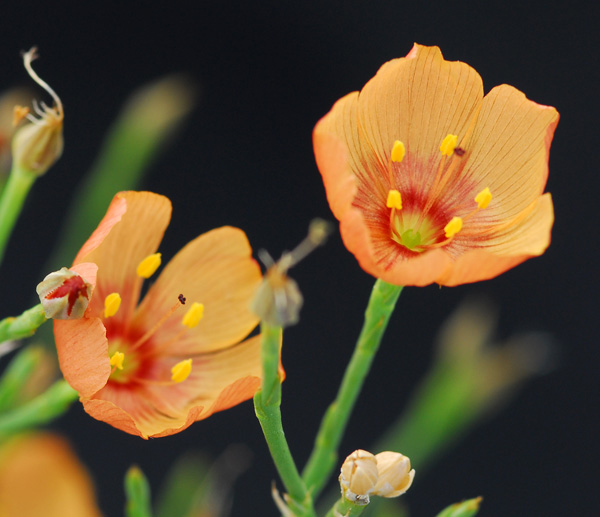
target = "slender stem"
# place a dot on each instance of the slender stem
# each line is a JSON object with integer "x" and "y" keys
{"x": 11, "y": 202}
{"x": 23, "y": 325}
{"x": 17, "y": 374}
{"x": 137, "y": 491}
{"x": 345, "y": 508}
{"x": 323, "y": 458}
{"x": 267, "y": 403}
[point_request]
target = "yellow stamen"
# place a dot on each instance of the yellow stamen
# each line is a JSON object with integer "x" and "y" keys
{"x": 394, "y": 200}
{"x": 398, "y": 151}
{"x": 483, "y": 198}
{"x": 448, "y": 145}
{"x": 181, "y": 371}
{"x": 117, "y": 360}
{"x": 149, "y": 265}
{"x": 453, "y": 227}
{"x": 111, "y": 304}
{"x": 193, "y": 315}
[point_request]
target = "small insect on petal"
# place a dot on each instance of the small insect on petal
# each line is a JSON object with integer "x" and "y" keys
{"x": 64, "y": 295}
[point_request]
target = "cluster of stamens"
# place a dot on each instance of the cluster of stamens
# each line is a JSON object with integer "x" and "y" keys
{"x": 415, "y": 231}
{"x": 118, "y": 361}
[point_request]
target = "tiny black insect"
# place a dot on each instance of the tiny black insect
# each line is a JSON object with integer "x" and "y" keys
{"x": 181, "y": 299}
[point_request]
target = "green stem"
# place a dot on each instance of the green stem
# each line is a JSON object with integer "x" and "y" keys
{"x": 137, "y": 491}
{"x": 42, "y": 409}
{"x": 11, "y": 202}
{"x": 345, "y": 508}
{"x": 22, "y": 326}
{"x": 267, "y": 405}
{"x": 323, "y": 458}
{"x": 17, "y": 374}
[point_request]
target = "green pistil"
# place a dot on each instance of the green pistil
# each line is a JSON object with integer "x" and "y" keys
{"x": 411, "y": 240}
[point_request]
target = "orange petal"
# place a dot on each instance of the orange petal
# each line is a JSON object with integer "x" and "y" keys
{"x": 418, "y": 100}
{"x": 118, "y": 251}
{"x": 217, "y": 270}
{"x": 506, "y": 250}
{"x": 40, "y": 475}
{"x": 83, "y": 353}
{"x": 218, "y": 381}
{"x": 509, "y": 149}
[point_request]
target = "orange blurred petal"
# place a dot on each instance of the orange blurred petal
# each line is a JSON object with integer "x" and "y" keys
{"x": 217, "y": 270}
{"x": 40, "y": 475}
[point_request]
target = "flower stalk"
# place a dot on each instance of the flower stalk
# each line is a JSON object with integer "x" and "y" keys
{"x": 267, "y": 405}
{"x": 22, "y": 326}
{"x": 323, "y": 458}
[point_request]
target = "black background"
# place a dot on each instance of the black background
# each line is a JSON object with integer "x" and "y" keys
{"x": 267, "y": 72}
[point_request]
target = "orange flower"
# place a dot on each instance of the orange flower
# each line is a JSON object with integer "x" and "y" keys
{"x": 430, "y": 180}
{"x": 155, "y": 368}
{"x": 40, "y": 475}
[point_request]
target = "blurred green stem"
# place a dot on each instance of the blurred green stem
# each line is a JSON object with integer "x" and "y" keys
{"x": 17, "y": 375}
{"x": 323, "y": 459}
{"x": 42, "y": 409}
{"x": 267, "y": 405}
{"x": 11, "y": 202}
{"x": 137, "y": 491}
{"x": 22, "y": 326}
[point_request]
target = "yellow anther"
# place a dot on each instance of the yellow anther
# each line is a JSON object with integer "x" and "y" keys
{"x": 181, "y": 371}
{"x": 483, "y": 198}
{"x": 149, "y": 265}
{"x": 449, "y": 144}
{"x": 117, "y": 360}
{"x": 193, "y": 315}
{"x": 111, "y": 304}
{"x": 398, "y": 151}
{"x": 394, "y": 200}
{"x": 453, "y": 227}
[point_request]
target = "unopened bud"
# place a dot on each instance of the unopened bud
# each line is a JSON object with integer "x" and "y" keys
{"x": 358, "y": 476}
{"x": 64, "y": 295}
{"x": 39, "y": 143}
{"x": 395, "y": 474}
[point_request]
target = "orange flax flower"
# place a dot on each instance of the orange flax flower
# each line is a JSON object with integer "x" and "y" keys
{"x": 430, "y": 180}
{"x": 155, "y": 368}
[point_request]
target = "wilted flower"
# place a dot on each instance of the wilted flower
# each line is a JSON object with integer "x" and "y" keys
{"x": 278, "y": 300}
{"x": 430, "y": 180}
{"x": 64, "y": 294}
{"x": 38, "y": 144}
{"x": 151, "y": 370}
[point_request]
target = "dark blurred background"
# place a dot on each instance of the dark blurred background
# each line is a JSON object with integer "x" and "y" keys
{"x": 266, "y": 72}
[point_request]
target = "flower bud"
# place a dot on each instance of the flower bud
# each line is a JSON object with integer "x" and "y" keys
{"x": 358, "y": 476}
{"x": 395, "y": 474}
{"x": 64, "y": 295}
{"x": 39, "y": 143}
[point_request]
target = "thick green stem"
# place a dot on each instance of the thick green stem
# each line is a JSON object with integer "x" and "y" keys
{"x": 137, "y": 491}
{"x": 11, "y": 202}
{"x": 267, "y": 402}
{"x": 323, "y": 459}
{"x": 17, "y": 374}
{"x": 42, "y": 409}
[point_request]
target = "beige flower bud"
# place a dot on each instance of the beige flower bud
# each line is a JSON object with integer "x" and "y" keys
{"x": 64, "y": 295}
{"x": 395, "y": 474}
{"x": 358, "y": 476}
{"x": 39, "y": 143}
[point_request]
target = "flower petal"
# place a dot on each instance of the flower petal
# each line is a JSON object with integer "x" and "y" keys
{"x": 509, "y": 150}
{"x": 529, "y": 238}
{"x": 217, "y": 270}
{"x": 418, "y": 100}
{"x": 83, "y": 353}
{"x": 218, "y": 381}
{"x": 120, "y": 244}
